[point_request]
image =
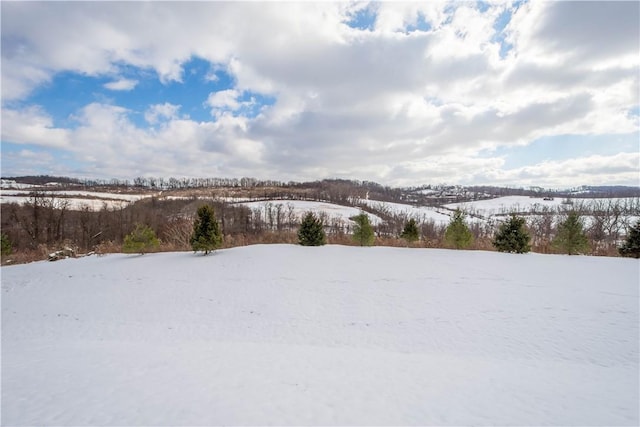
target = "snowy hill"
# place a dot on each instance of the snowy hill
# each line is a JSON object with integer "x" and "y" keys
{"x": 299, "y": 207}
{"x": 332, "y": 335}
{"x": 522, "y": 204}
{"x": 75, "y": 200}
{"x": 419, "y": 213}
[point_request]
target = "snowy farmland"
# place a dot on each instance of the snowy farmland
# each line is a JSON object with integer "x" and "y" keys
{"x": 523, "y": 204}
{"x": 332, "y": 335}
{"x": 419, "y": 213}
{"x": 299, "y": 207}
{"x": 75, "y": 200}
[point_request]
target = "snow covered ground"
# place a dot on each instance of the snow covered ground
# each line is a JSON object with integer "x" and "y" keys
{"x": 520, "y": 204}
{"x": 9, "y": 183}
{"x": 300, "y": 207}
{"x": 332, "y": 335}
{"x": 94, "y": 200}
{"x": 72, "y": 203}
{"x": 419, "y": 213}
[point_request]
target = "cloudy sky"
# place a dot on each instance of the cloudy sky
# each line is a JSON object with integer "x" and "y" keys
{"x": 507, "y": 93}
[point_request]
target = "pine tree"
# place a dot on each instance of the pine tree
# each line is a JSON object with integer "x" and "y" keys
{"x": 457, "y": 233}
{"x": 6, "y": 245}
{"x": 140, "y": 240}
{"x": 631, "y": 247}
{"x": 311, "y": 232}
{"x": 512, "y": 236}
{"x": 410, "y": 233}
{"x": 363, "y": 231}
{"x": 206, "y": 235}
{"x": 571, "y": 238}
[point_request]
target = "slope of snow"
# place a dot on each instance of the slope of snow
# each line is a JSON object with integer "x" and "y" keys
{"x": 70, "y": 193}
{"x": 9, "y": 183}
{"x": 300, "y": 207}
{"x": 72, "y": 203}
{"x": 505, "y": 205}
{"x": 419, "y": 213}
{"x": 521, "y": 204}
{"x": 94, "y": 200}
{"x": 332, "y": 335}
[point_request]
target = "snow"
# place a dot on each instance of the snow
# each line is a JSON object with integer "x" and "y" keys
{"x": 300, "y": 207}
{"x": 505, "y": 205}
{"x": 332, "y": 335}
{"x": 521, "y": 204}
{"x": 93, "y": 200}
{"x": 73, "y": 203}
{"x": 9, "y": 183}
{"x": 427, "y": 192}
{"x": 419, "y": 213}
{"x": 71, "y": 193}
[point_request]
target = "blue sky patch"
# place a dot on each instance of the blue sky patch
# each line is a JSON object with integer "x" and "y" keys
{"x": 364, "y": 19}
{"x": 68, "y": 92}
{"x": 499, "y": 36}
{"x": 421, "y": 24}
{"x": 483, "y": 6}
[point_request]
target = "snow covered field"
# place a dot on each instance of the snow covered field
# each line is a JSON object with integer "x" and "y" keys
{"x": 93, "y": 200}
{"x": 300, "y": 207}
{"x": 506, "y": 205}
{"x": 419, "y": 213}
{"x": 333, "y": 335}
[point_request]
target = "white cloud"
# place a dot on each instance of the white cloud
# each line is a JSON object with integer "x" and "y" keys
{"x": 409, "y": 106}
{"x": 223, "y": 100}
{"x": 157, "y": 112}
{"x": 621, "y": 168}
{"x": 122, "y": 84}
{"x": 32, "y": 125}
{"x": 110, "y": 144}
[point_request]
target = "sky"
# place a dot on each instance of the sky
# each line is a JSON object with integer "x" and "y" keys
{"x": 511, "y": 93}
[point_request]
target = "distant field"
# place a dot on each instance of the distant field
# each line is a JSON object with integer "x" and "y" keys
{"x": 76, "y": 199}
{"x": 523, "y": 204}
{"x": 300, "y": 207}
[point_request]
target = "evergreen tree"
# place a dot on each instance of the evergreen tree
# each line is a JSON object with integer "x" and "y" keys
{"x": 363, "y": 231}
{"x": 311, "y": 232}
{"x": 206, "y": 235}
{"x": 457, "y": 233}
{"x": 410, "y": 233}
{"x": 571, "y": 238}
{"x": 140, "y": 240}
{"x": 631, "y": 246}
{"x": 6, "y": 245}
{"x": 512, "y": 236}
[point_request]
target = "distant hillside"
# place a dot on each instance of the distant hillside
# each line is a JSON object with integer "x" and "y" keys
{"x": 337, "y": 188}
{"x": 43, "y": 179}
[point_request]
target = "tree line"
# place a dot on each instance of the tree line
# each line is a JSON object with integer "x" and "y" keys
{"x": 45, "y": 223}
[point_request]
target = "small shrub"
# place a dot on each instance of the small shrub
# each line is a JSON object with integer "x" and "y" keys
{"x": 6, "y": 245}
{"x": 571, "y": 238}
{"x": 512, "y": 236}
{"x": 410, "y": 233}
{"x": 206, "y": 235}
{"x": 311, "y": 232}
{"x": 631, "y": 247}
{"x": 140, "y": 240}
{"x": 457, "y": 233}
{"x": 363, "y": 231}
